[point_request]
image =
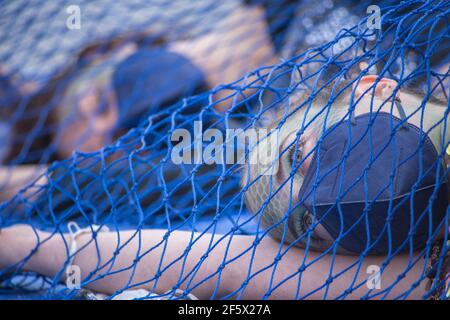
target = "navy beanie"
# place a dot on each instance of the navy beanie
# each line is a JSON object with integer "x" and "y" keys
{"x": 151, "y": 78}
{"x": 385, "y": 194}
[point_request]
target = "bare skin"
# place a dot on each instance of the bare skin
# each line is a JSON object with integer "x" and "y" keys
{"x": 236, "y": 45}
{"x": 83, "y": 125}
{"x": 17, "y": 242}
{"x": 14, "y": 178}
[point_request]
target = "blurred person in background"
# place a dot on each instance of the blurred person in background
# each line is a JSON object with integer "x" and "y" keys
{"x": 114, "y": 84}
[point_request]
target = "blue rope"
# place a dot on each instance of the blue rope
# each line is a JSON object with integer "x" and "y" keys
{"x": 131, "y": 183}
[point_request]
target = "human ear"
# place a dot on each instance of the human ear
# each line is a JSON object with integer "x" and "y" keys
{"x": 384, "y": 87}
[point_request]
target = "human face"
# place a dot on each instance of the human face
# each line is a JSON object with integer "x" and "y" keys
{"x": 88, "y": 117}
{"x": 299, "y": 135}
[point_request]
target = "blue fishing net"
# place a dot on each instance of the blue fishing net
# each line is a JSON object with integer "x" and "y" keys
{"x": 169, "y": 66}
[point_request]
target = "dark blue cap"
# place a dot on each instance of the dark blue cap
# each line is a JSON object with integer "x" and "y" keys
{"x": 151, "y": 78}
{"x": 376, "y": 185}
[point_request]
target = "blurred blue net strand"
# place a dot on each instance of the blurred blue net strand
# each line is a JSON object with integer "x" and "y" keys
{"x": 88, "y": 118}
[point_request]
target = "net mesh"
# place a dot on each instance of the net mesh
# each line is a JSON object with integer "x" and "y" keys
{"x": 259, "y": 63}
